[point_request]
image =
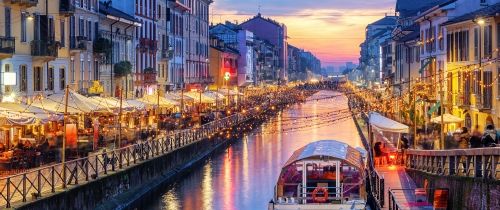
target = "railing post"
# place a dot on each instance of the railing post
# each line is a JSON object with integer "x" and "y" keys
{"x": 52, "y": 178}
{"x": 24, "y": 187}
{"x": 8, "y": 193}
{"x": 39, "y": 183}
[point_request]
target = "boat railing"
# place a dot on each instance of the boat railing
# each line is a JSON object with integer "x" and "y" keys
{"x": 334, "y": 193}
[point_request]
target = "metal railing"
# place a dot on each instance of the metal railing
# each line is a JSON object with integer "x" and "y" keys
{"x": 407, "y": 199}
{"x": 47, "y": 180}
{"x": 377, "y": 186}
{"x": 481, "y": 162}
{"x": 7, "y": 45}
{"x": 44, "y": 48}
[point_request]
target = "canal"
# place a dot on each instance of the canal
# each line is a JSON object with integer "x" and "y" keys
{"x": 244, "y": 175}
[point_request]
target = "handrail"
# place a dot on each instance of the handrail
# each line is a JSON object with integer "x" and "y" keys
{"x": 478, "y": 162}
{"x": 45, "y": 180}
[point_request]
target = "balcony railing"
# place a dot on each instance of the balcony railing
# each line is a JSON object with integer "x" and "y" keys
{"x": 44, "y": 48}
{"x": 25, "y": 3}
{"x": 7, "y": 45}
{"x": 78, "y": 43}
{"x": 66, "y": 7}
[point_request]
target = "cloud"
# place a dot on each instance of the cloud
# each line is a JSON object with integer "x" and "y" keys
{"x": 331, "y": 29}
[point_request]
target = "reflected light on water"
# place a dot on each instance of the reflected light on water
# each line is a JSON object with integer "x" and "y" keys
{"x": 243, "y": 176}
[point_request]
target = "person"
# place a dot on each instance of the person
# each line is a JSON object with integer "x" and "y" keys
{"x": 464, "y": 138}
{"x": 489, "y": 138}
{"x": 475, "y": 139}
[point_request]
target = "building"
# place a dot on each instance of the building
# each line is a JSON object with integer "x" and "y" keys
{"x": 177, "y": 36}
{"x": 471, "y": 71}
{"x": 145, "y": 72}
{"x": 196, "y": 75}
{"x": 276, "y": 34}
{"x": 267, "y": 62}
{"x": 376, "y": 34}
{"x": 294, "y": 59}
{"x": 34, "y": 51}
{"x": 309, "y": 63}
{"x": 116, "y": 29}
{"x": 165, "y": 51}
{"x": 242, "y": 40}
{"x": 224, "y": 64}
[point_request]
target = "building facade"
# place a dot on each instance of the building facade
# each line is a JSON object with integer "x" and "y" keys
{"x": 35, "y": 49}
{"x": 276, "y": 34}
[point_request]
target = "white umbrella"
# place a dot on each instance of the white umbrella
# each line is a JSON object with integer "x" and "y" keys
{"x": 447, "y": 118}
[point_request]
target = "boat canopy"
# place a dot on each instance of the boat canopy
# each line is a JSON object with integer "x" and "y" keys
{"x": 385, "y": 124}
{"x": 332, "y": 149}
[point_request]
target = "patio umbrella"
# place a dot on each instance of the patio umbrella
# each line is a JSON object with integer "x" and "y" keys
{"x": 447, "y": 119}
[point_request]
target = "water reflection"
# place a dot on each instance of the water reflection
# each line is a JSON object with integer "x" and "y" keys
{"x": 243, "y": 176}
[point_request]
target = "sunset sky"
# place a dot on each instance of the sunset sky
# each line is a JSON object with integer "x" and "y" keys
{"x": 331, "y": 29}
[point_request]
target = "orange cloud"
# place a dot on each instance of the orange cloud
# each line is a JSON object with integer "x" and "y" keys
{"x": 332, "y": 35}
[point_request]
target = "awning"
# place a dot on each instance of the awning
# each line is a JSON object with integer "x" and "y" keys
{"x": 11, "y": 117}
{"x": 177, "y": 97}
{"x": 40, "y": 114}
{"x": 112, "y": 103}
{"x": 216, "y": 95}
{"x": 434, "y": 108}
{"x": 447, "y": 118}
{"x": 136, "y": 104}
{"x": 204, "y": 98}
{"x": 154, "y": 100}
{"x": 77, "y": 104}
{"x": 385, "y": 124}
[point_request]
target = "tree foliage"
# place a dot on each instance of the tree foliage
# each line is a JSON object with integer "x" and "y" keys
{"x": 122, "y": 68}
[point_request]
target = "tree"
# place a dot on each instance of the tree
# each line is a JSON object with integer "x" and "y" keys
{"x": 122, "y": 69}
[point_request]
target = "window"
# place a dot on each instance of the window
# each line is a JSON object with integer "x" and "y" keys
{"x": 96, "y": 70}
{"x": 488, "y": 41}
{"x": 476, "y": 44}
{"x": 458, "y": 46}
{"x": 37, "y": 78}
{"x": 63, "y": 33}
{"x": 52, "y": 31}
{"x": 7, "y": 22}
{"x": 81, "y": 27}
{"x": 23, "y": 74}
{"x": 89, "y": 30}
{"x": 441, "y": 38}
{"x": 50, "y": 78}
{"x": 62, "y": 78}
{"x": 23, "y": 26}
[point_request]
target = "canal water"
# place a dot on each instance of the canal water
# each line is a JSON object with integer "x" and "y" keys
{"x": 244, "y": 175}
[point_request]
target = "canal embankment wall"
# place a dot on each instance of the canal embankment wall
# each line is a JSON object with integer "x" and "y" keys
{"x": 121, "y": 189}
{"x": 465, "y": 192}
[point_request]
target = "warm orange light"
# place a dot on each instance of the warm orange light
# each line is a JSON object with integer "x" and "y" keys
{"x": 392, "y": 156}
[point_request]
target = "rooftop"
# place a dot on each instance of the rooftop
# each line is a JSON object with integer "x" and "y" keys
{"x": 484, "y": 13}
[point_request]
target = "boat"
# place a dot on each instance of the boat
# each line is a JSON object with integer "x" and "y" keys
{"x": 326, "y": 174}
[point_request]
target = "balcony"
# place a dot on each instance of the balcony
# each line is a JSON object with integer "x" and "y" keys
{"x": 7, "y": 47}
{"x": 25, "y": 3}
{"x": 78, "y": 43}
{"x": 486, "y": 101}
{"x": 45, "y": 50}
{"x": 66, "y": 7}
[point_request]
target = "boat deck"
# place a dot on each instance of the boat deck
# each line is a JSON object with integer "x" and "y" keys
{"x": 395, "y": 177}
